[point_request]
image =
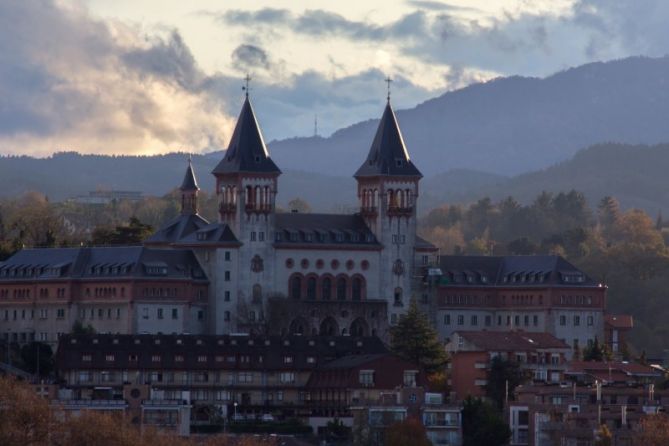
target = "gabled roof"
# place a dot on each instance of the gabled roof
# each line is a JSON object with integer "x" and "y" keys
{"x": 620, "y": 321}
{"x": 100, "y": 262}
{"x": 323, "y": 229}
{"x": 177, "y": 229}
{"x": 189, "y": 183}
{"x": 247, "y": 151}
{"x": 516, "y": 271}
{"x": 211, "y": 234}
{"x": 511, "y": 340}
{"x": 388, "y": 154}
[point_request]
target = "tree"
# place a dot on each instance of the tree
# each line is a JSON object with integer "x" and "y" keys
{"x": 409, "y": 431}
{"x": 134, "y": 233}
{"x": 414, "y": 339}
{"x": 503, "y": 373}
{"x": 482, "y": 425}
{"x": 299, "y": 205}
{"x": 80, "y": 329}
{"x": 654, "y": 430}
{"x": 603, "y": 436}
{"x": 597, "y": 352}
{"x": 26, "y": 418}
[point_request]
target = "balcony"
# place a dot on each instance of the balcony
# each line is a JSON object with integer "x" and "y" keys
{"x": 400, "y": 211}
{"x": 369, "y": 211}
{"x": 258, "y": 208}
{"x": 227, "y": 208}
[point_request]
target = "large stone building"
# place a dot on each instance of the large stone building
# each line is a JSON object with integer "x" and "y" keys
{"x": 297, "y": 272}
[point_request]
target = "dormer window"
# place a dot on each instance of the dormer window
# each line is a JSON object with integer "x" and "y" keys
{"x": 202, "y": 236}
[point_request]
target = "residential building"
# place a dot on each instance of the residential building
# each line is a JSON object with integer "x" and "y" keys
{"x": 541, "y": 356}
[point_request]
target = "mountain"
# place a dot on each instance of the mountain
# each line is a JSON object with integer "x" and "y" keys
{"x": 510, "y": 125}
{"x": 635, "y": 174}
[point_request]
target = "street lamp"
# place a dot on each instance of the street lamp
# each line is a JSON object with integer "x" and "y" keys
{"x": 235, "y": 415}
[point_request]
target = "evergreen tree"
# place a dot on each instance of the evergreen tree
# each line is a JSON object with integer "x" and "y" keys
{"x": 482, "y": 425}
{"x": 503, "y": 373}
{"x": 414, "y": 339}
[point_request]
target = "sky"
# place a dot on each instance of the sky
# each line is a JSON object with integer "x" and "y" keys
{"x": 153, "y": 76}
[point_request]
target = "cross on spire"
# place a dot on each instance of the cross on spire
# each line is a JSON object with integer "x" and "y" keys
{"x": 388, "y": 80}
{"x": 246, "y": 87}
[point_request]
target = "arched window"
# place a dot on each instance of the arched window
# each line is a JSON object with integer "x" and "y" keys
{"x": 398, "y": 297}
{"x": 391, "y": 199}
{"x": 311, "y": 288}
{"x": 341, "y": 288}
{"x": 250, "y": 197}
{"x": 356, "y": 288}
{"x": 257, "y": 292}
{"x": 326, "y": 289}
{"x": 296, "y": 287}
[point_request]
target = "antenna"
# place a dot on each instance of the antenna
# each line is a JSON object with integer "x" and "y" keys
{"x": 315, "y": 124}
{"x": 246, "y": 87}
{"x": 388, "y": 81}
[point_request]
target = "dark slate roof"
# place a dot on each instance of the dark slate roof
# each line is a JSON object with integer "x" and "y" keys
{"x": 189, "y": 183}
{"x": 388, "y": 154}
{"x": 230, "y": 348}
{"x": 521, "y": 271}
{"x": 323, "y": 229}
{"x": 423, "y": 244}
{"x": 247, "y": 151}
{"x": 213, "y": 233}
{"x": 101, "y": 262}
{"x": 511, "y": 340}
{"x": 177, "y": 229}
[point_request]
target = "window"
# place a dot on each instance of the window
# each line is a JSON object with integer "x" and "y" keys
{"x": 410, "y": 378}
{"x": 447, "y": 319}
{"x": 202, "y": 358}
{"x": 357, "y": 289}
{"x": 226, "y": 296}
{"x": 175, "y": 313}
{"x": 287, "y": 359}
{"x": 326, "y": 289}
{"x": 526, "y": 320}
{"x": 461, "y": 319}
{"x": 311, "y": 288}
{"x": 296, "y": 287}
{"x": 178, "y": 358}
{"x": 488, "y": 321}
{"x": 160, "y": 313}
{"x": 155, "y": 358}
{"x": 287, "y": 377}
{"x": 86, "y": 358}
{"x": 591, "y": 320}
{"x": 577, "y": 321}
{"x": 227, "y": 256}
{"x": 109, "y": 358}
{"x": 563, "y": 320}
{"x": 341, "y": 288}
{"x": 366, "y": 378}
{"x": 516, "y": 321}
{"x": 474, "y": 320}
{"x": 245, "y": 377}
{"x": 227, "y": 276}
{"x": 535, "y": 320}
{"x": 145, "y": 313}
{"x": 200, "y": 315}
{"x": 261, "y": 236}
{"x": 226, "y": 316}
{"x": 60, "y": 313}
{"x": 253, "y": 236}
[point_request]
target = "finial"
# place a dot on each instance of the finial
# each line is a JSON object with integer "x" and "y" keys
{"x": 246, "y": 87}
{"x": 388, "y": 81}
{"x": 190, "y": 158}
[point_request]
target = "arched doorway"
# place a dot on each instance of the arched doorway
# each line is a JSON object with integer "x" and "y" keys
{"x": 359, "y": 327}
{"x": 299, "y": 327}
{"x": 329, "y": 327}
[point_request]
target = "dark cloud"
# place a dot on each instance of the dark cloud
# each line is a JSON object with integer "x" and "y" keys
{"x": 246, "y": 57}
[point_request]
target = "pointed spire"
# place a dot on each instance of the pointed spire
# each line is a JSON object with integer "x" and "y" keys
{"x": 189, "y": 183}
{"x": 388, "y": 154}
{"x": 247, "y": 151}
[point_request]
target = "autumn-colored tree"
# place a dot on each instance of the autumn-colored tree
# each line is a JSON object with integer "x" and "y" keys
{"x": 25, "y": 418}
{"x": 603, "y": 436}
{"x": 653, "y": 430}
{"x": 406, "y": 432}
{"x": 299, "y": 205}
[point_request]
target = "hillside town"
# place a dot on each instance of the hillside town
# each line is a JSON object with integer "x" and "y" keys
{"x": 336, "y": 327}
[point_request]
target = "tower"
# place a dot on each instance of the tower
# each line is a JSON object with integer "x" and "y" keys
{"x": 246, "y": 183}
{"x": 189, "y": 191}
{"x": 387, "y": 194}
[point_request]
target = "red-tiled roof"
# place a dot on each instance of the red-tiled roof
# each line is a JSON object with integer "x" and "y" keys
{"x": 624, "y": 321}
{"x": 511, "y": 340}
{"x": 616, "y": 368}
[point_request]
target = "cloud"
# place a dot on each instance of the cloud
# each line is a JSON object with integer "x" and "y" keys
{"x": 68, "y": 81}
{"x": 246, "y": 57}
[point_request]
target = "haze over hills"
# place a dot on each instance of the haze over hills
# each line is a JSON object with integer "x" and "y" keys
{"x": 510, "y": 125}
{"x": 636, "y": 175}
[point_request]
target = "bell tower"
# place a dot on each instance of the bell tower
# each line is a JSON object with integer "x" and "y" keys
{"x": 387, "y": 194}
{"x": 246, "y": 184}
{"x": 189, "y": 191}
